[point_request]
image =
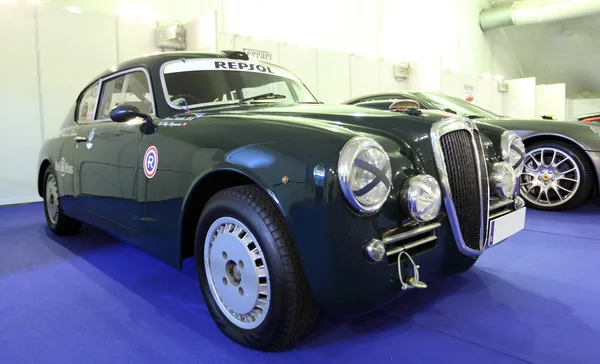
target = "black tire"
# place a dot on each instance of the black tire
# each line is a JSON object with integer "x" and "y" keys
{"x": 586, "y": 184}
{"x": 63, "y": 224}
{"x": 293, "y": 310}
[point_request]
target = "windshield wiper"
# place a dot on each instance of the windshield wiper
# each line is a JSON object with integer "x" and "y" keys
{"x": 449, "y": 110}
{"x": 474, "y": 116}
{"x": 267, "y": 96}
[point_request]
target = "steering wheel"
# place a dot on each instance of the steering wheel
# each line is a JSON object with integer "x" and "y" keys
{"x": 187, "y": 98}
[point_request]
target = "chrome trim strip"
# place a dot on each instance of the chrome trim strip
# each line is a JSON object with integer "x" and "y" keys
{"x": 500, "y": 213}
{"x": 496, "y": 204}
{"x": 439, "y": 129}
{"x": 412, "y": 233}
{"x": 411, "y": 245}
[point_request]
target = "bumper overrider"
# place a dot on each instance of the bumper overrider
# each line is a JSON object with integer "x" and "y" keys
{"x": 480, "y": 199}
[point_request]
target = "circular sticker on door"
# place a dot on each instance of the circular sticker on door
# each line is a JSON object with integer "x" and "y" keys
{"x": 151, "y": 162}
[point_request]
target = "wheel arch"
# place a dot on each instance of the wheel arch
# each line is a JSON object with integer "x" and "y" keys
{"x": 202, "y": 190}
{"x": 40, "y": 183}
{"x": 530, "y": 140}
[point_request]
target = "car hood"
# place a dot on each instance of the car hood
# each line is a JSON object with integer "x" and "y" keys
{"x": 354, "y": 118}
{"x": 410, "y": 132}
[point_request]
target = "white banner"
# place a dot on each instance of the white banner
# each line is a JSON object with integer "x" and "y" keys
{"x": 225, "y": 64}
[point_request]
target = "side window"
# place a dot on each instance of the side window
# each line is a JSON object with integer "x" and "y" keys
{"x": 85, "y": 108}
{"x": 128, "y": 89}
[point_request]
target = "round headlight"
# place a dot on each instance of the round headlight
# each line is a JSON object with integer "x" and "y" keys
{"x": 503, "y": 180}
{"x": 365, "y": 174}
{"x": 423, "y": 197}
{"x": 513, "y": 151}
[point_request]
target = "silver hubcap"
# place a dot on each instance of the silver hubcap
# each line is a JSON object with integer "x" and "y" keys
{"x": 52, "y": 199}
{"x": 550, "y": 178}
{"x": 237, "y": 273}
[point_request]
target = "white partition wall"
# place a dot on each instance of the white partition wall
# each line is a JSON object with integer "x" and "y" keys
{"x": 49, "y": 55}
{"x": 551, "y": 100}
{"x": 202, "y": 33}
{"x": 21, "y": 125}
{"x": 426, "y": 75}
{"x": 303, "y": 62}
{"x": 576, "y": 107}
{"x": 135, "y": 39}
{"x": 334, "y": 76}
{"x": 69, "y": 59}
{"x": 519, "y": 102}
{"x": 364, "y": 75}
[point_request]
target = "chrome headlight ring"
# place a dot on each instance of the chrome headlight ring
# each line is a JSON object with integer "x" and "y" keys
{"x": 365, "y": 174}
{"x": 503, "y": 180}
{"x": 421, "y": 197}
{"x": 513, "y": 151}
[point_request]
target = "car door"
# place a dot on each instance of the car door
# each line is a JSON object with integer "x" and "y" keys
{"x": 107, "y": 155}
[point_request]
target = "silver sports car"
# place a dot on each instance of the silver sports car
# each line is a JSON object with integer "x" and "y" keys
{"x": 562, "y": 163}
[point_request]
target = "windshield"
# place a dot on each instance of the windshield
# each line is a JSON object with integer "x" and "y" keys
{"x": 206, "y": 82}
{"x": 456, "y": 105}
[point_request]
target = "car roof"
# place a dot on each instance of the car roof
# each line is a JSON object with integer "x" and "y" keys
{"x": 155, "y": 60}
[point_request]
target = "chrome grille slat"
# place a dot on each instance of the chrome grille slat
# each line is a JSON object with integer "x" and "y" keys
{"x": 462, "y": 171}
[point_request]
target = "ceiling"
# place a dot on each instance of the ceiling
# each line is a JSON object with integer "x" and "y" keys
{"x": 560, "y": 52}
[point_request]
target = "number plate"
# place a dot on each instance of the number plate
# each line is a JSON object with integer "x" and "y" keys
{"x": 506, "y": 226}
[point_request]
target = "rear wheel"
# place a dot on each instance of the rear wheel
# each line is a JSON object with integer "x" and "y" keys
{"x": 57, "y": 221}
{"x": 556, "y": 177}
{"x": 250, "y": 272}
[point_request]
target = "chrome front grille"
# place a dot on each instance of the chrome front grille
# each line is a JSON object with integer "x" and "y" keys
{"x": 463, "y": 174}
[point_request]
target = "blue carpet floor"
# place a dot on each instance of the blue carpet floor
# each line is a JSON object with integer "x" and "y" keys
{"x": 90, "y": 299}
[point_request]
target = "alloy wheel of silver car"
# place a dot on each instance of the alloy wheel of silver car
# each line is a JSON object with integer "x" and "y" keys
{"x": 551, "y": 177}
{"x": 52, "y": 199}
{"x": 237, "y": 273}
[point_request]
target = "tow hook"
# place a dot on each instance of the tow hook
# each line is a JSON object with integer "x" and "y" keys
{"x": 411, "y": 282}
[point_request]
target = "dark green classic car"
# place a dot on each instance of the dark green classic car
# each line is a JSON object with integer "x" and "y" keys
{"x": 286, "y": 204}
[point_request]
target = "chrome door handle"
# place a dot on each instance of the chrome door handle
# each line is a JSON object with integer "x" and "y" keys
{"x": 80, "y": 139}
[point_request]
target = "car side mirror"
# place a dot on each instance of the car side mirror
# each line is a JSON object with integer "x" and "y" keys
{"x": 124, "y": 113}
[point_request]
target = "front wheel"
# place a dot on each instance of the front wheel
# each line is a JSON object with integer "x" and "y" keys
{"x": 556, "y": 177}
{"x": 250, "y": 272}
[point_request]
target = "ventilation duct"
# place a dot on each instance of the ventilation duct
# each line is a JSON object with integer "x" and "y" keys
{"x": 536, "y": 11}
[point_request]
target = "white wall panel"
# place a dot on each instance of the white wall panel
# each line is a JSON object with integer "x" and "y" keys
{"x": 301, "y": 61}
{"x": 519, "y": 102}
{"x": 451, "y": 84}
{"x": 334, "y": 76}
{"x": 582, "y": 106}
{"x": 364, "y": 75}
{"x": 497, "y": 99}
{"x": 202, "y": 33}
{"x": 135, "y": 39}
{"x": 73, "y": 48}
{"x": 483, "y": 91}
{"x": 551, "y": 100}
{"x": 426, "y": 75}
{"x": 387, "y": 82}
{"x": 21, "y": 138}
{"x": 241, "y": 43}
